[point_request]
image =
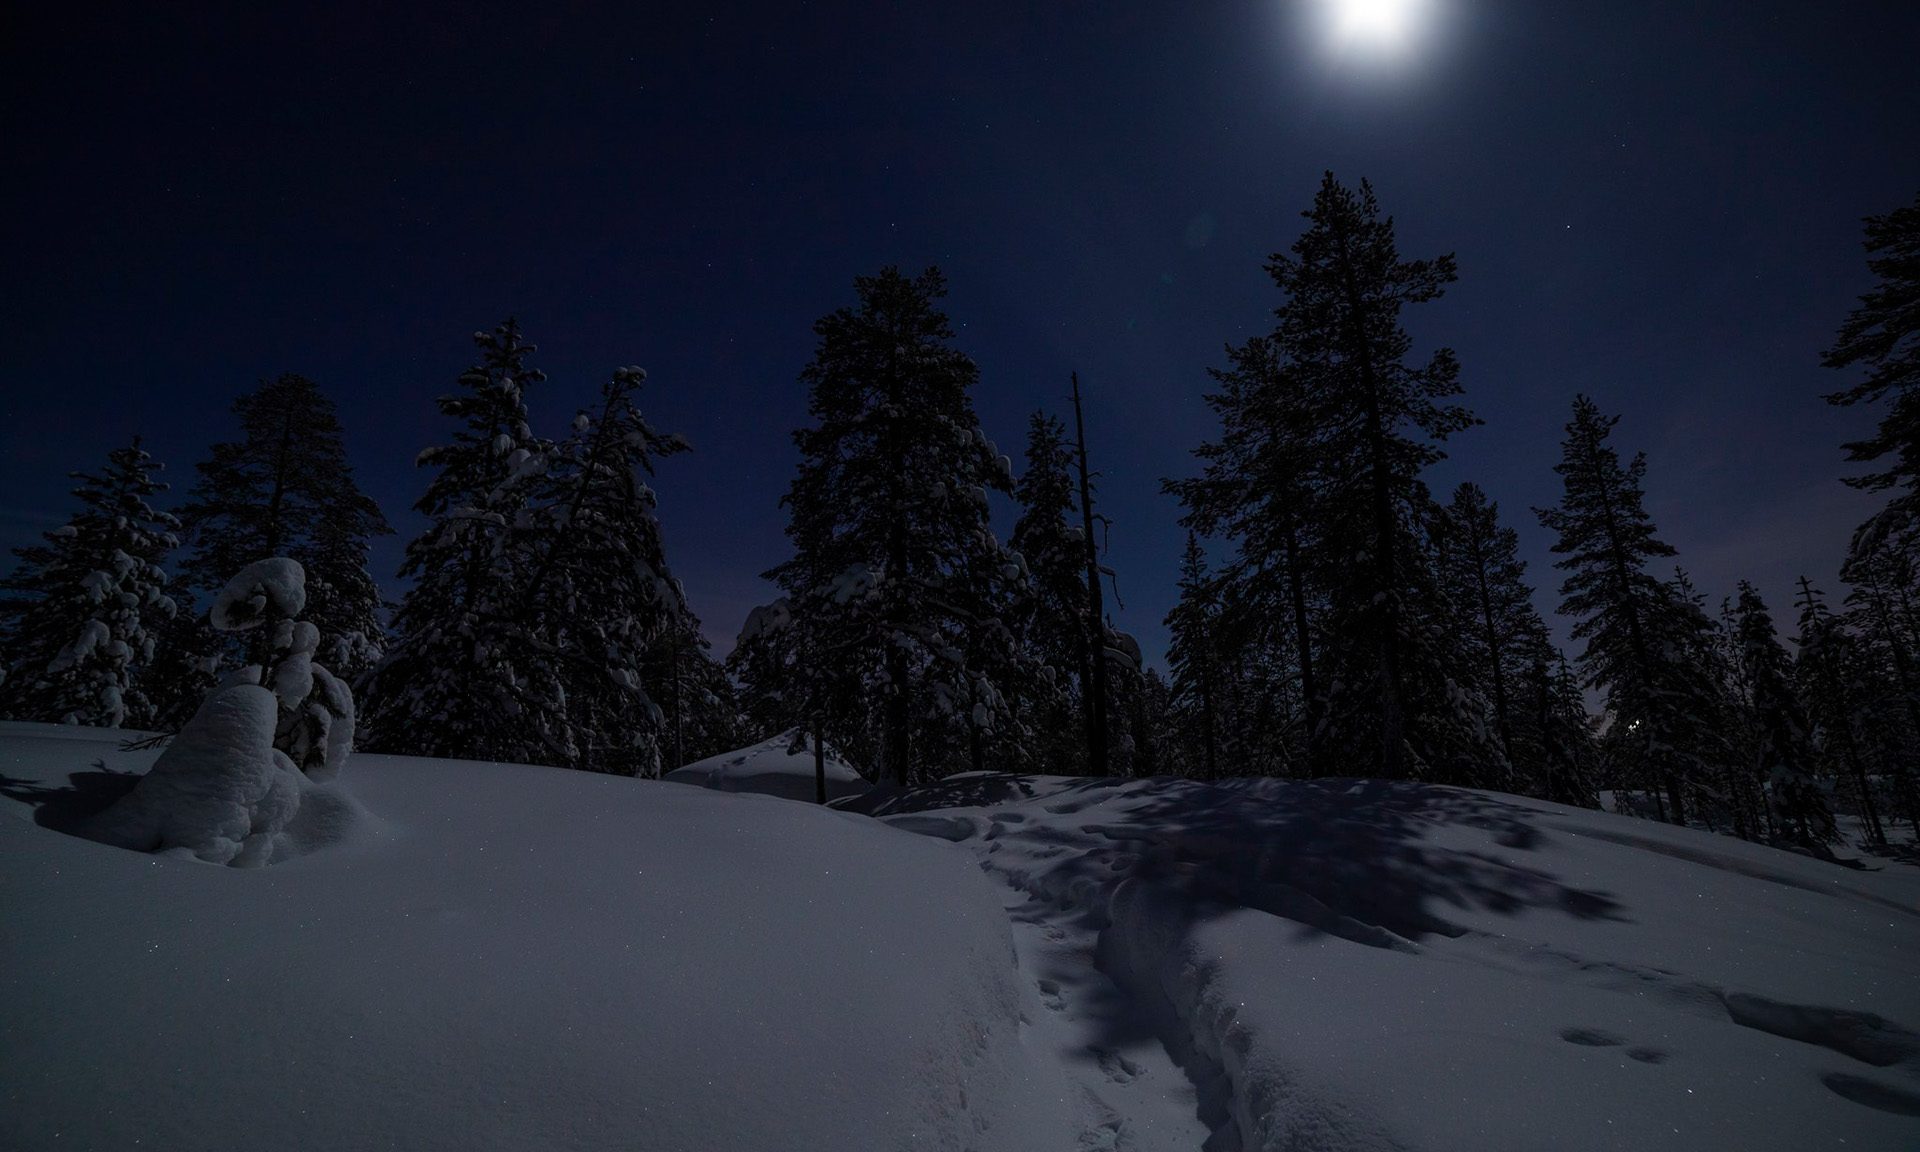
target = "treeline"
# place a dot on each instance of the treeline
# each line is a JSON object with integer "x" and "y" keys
{"x": 1335, "y": 616}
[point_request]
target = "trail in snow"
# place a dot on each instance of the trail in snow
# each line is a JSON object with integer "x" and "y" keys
{"x": 1260, "y": 965}
{"x": 1111, "y": 1042}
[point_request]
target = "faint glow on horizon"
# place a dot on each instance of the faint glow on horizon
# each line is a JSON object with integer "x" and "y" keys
{"x": 1377, "y": 28}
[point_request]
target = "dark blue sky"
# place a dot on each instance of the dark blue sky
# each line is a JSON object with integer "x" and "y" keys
{"x": 1657, "y": 203}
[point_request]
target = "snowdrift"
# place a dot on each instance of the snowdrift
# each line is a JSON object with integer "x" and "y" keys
{"x": 504, "y": 957}
{"x": 770, "y": 770}
{"x": 494, "y": 956}
{"x": 1361, "y": 965}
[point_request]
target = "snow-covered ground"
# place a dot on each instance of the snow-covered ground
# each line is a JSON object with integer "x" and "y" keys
{"x": 493, "y": 956}
{"x": 770, "y": 769}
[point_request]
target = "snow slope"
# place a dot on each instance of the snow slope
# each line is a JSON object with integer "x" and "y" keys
{"x": 769, "y": 769}
{"x": 493, "y": 956}
{"x": 1360, "y": 965}
{"x": 506, "y": 957}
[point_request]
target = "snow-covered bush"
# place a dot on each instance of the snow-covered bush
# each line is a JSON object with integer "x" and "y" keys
{"x": 314, "y": 709}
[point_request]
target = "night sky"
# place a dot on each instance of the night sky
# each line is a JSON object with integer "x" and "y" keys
{"x": 1656, "y": 203}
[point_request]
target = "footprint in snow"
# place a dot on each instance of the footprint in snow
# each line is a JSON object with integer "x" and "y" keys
{"x": 1050, "y": 995}
{"x": 1591, "y": 1037}
{"x": 1873, "y": 1094}
{"x": 1118, "y": 1068}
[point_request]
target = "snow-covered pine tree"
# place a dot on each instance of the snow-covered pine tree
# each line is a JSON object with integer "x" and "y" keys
{"x": 84, "y": 609}
{"x": 1193, "y": 656}
{"x": 1053, "y": 618}
{"x": 1631, "y": 620}
{"x": 1785, "y": 748}
{"x": 1485, "y": 580}
{"x": 600, "y": 595}
{"x": 285, "y": 488}
{"x": 1378, "y": 421}
{"x": 468, "y": 674}
{"x": 1825, "y": 673}
{"x": 895, "y": 570}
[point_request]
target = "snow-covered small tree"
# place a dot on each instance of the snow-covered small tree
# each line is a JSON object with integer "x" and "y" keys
{"x": 285, "y": 488}
{"x": 314, "y": 709}
{"x": 84, "y": 608}
{"x": 468, "y": 674}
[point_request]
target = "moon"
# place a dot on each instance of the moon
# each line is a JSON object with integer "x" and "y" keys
{"x": 1380, "y": 26}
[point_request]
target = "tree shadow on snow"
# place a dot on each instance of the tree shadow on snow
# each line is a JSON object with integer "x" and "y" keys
{"x": 86, "y": 793}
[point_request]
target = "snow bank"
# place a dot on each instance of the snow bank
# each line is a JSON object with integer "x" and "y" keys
{"x": 219, "y": 792}
{"x": 513, "y": 958}
{"x": 1348, "y": 965}
{"x": 769, "y": 769}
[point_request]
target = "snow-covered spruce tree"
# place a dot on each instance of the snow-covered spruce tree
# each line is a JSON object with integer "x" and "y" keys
{"x": 1485, "y": 580}
{"x": 1193, "y": 656}
{"x": 1053, "y": 617}
{"x": 600, "y": 595}
{"x": 896, "y": 571}
{"x": 285, "y": 488}
{"x": 1785, "y": 748}
{"x": 1826, "y": 676}
{"x": 1632, "y": 621}
{"x": 468, "y": 674}
{"x": 84, "y": 609}
{"x": 1377, "y": 422}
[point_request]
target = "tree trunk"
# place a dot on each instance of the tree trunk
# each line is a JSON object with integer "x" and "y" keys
{"x": 819, "y": 762}
{"x": 1303, "y": 642}
{"x": 1096, "y": 629}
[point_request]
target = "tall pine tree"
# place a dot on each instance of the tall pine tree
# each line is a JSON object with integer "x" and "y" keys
{"x": 1630, "y": 619}
{"x": 1485, "y": 580}
{"x": 1053, "y": 616}
{"x": 898, "y": 588}
{"x": 1380, "y": 420}
{"x": 285, "y": 488}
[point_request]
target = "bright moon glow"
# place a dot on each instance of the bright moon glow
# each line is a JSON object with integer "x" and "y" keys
{"x": 1374, "y": 25}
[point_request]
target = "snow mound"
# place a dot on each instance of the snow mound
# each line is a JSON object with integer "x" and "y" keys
{"x": 513, "y": 958}
{"x": 219, "y": 792}
{"x": 1361, "y": 965}
{"x": 768, "y": 768}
